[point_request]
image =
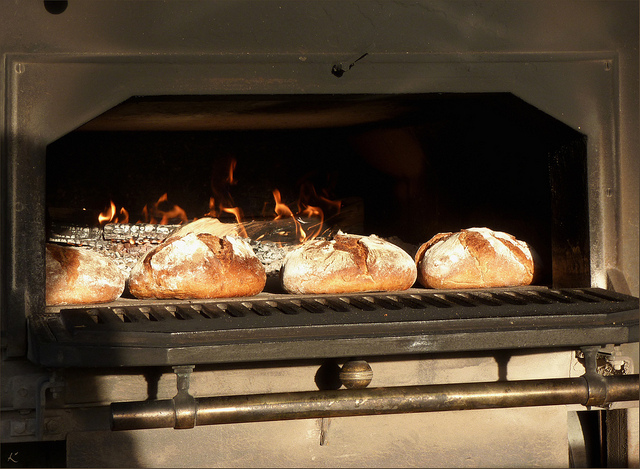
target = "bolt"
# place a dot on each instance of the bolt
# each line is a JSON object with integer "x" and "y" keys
{"x": 52, "y": 426}
{"x": 19, "y": 427}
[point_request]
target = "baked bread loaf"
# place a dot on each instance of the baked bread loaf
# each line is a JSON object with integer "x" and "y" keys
{"x": 347, "y": 263}
{"x": 79, "y": 276}
{"x": 198, "y": 265}
{"x": 474, "y": 258}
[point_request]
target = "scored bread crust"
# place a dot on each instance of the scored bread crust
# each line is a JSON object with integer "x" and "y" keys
{"x": 347, "y": 263}
{"x": 474, "y": 258}
{"x": 78, "y": 276}
{"x": 198, "y": 265}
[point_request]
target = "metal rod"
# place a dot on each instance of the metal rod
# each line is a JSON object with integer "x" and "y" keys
{"x": 374, "y": 401}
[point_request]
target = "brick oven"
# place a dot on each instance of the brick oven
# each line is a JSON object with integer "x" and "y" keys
{"x": 413, "y": 118}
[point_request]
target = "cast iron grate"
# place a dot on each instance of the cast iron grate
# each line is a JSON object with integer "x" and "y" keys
{"x": 272, "y": 327}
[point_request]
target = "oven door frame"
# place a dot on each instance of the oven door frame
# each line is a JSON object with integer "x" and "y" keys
{"x": 50, "y": 96}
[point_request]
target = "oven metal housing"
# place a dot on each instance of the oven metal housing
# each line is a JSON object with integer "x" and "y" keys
{"x": 66, "y": 63}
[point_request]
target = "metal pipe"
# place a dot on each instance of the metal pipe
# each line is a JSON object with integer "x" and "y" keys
{"x": 374, "y": 401}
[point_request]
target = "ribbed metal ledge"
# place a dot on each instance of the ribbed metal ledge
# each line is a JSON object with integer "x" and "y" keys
{"x": 281, "y": 327}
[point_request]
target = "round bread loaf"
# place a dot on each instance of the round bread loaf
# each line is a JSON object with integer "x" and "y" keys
{"x": 347, "y": 263}
{"x": 198, "y": 265}
{"x": 78, "y": 276}
{"x": 474, "y": 258}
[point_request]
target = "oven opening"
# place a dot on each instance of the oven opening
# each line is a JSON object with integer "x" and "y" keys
{"x": 403, "y": 167}
{"x": 290, "y": 168}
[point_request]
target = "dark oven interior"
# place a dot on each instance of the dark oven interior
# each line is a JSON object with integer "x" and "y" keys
{"x": 409, "y": 166}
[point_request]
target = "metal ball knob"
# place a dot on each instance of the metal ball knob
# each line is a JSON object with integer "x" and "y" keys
{"x": 356, "y": 374}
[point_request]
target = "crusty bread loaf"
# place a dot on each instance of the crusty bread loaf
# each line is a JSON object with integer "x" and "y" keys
{"x": 198, "y": 265}
{"x": 347, "y": 263}
{"x": 474, "y": 258}
{"x": 78, "y": 276}
{"x": 209, "y": 225}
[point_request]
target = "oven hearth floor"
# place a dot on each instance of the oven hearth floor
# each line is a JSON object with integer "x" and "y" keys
{"x": 285, "y": 327}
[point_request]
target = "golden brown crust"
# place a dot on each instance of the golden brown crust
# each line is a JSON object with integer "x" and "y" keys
{"x": 420, "y": 254}
{"x": 520, "y": 254}
{"x": 78, "y": 276}
{"x": 356, "y": 249}
{"x": 431, "y": 242}
{"x": 348, "y": 263}
{"x": 474, "y": 258}
{"x": 198, "y": 265}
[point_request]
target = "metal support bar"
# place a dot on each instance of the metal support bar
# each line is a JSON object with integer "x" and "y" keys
{"x": 595, "y": 381}
{"x": 393, "y": 400}
{"x": 184, "y": 403}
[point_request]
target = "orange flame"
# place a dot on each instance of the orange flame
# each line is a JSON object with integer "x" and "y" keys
{"x": 232, "y": 167}
{"x": 311, "y": 212}
{"x": 152, "y": 214}
{"x": 336, "y": 205}
{"x": 225, "y": 204}
{"x": 125, "y": 216}
{"x": 281, "y": 209}
{"x": 108, "y": 215}
{"x": 237, "y": 212}
{"x": 310, "y": 205}
{"x": 145, "y": 214}
{"x": 212, "y": 209}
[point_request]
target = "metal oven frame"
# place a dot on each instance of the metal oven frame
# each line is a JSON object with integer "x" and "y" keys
{"x": 65, "y": 63}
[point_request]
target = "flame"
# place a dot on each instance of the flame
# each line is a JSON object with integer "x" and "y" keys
{"x": 145, "y": 214}
{"x": 108, "y": 215}
{"x": 232, "y": 168}
{"x": 312, "y": 205}
{"x": 309, "y": 218}
{"x": 281, "y": 209}
{"x": 237, "y": 212}
{"x": 311, "y": 212}
{"x": 336, "y": 205}
{"x": 151, "y": 215}
{"x": 212, "y": 209}
{"x": 125, "y": 216}
{"x": 222, "y": 202}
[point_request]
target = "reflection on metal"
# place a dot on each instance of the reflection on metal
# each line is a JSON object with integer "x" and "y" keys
{"x": 392, "y": 400}
{"x": 184, "y": 403}
{"x": 356, "y": 374}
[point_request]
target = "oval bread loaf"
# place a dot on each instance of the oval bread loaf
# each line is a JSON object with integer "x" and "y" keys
{"x": 474, "y": 258}
{"x": 198, "y": 265}
{"x": 78, "y": 276}
{"x": 347, "y": 263}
